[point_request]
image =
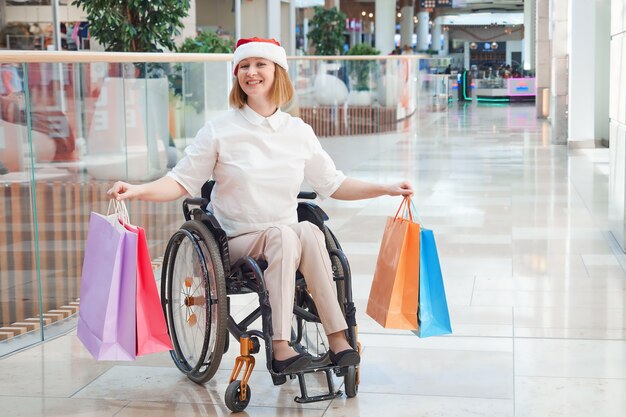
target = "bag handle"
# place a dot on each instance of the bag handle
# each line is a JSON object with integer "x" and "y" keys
{"x": 119, "y": 208}
{"x": 417, "y": 214}
{"x": 410, "y": 210}
{"x": 407, "y": 214}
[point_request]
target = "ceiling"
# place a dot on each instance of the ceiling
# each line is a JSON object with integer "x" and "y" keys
{"x": 461, "y": 6}
{"x": 472, "y": 6}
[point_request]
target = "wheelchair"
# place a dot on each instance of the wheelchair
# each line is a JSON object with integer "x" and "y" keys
{"x": 197, "y": 282}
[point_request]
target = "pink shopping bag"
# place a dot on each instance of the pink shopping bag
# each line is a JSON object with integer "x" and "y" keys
{"x": 152, "y": 335}
{"x": 106, "y": 324}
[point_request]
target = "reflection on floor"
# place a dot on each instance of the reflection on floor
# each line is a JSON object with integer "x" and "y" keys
{"x": 535, "y": 284}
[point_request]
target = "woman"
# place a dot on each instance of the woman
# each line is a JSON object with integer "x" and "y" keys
{"x": 258, "y": 157}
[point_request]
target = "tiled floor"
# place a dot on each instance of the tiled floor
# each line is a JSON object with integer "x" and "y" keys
{"x": 534, "y": 279}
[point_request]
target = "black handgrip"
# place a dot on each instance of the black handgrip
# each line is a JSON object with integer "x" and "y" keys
{"x": 307, "y": 195}
{"x": 201, "y": 202}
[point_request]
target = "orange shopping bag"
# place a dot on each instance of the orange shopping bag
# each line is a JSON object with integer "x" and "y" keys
{"x": 393, "y": 299}
{"x": 152, "y": 335}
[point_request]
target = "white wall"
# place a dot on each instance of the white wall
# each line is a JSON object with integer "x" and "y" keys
{"x": 581, "y": 43}
{"x": 253, "y": 18}
{"x": 602, "y": 53}
{"x": 211, "y": 13}
{"x": 617, "y": 120}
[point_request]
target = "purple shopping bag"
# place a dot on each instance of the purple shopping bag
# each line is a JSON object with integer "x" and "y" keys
{"x": 106, "y": 324}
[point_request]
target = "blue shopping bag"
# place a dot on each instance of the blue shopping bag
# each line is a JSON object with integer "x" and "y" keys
{"x": 433, "y": 315}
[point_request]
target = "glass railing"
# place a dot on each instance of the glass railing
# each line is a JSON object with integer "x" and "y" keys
{"x": 72, "y": 123}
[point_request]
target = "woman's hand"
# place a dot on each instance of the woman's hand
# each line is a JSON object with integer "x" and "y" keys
{"x": 353, "y": 189}
{"x": 403, "y": 188}
{"x": 163, "y": 189}
{"x": 122, "y": 191}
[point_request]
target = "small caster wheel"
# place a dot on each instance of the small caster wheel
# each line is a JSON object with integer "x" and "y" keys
{"x": 349, "y": 381}
{"x": 232, "y": 400}
{"x": 279, "y": 379}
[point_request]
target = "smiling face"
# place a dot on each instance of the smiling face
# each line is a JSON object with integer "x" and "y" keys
{"x": 256, "y": 77}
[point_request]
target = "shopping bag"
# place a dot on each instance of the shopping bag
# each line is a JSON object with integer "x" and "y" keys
{"x": 434, "y": 318}
{"x": 152, "y": 335}
{"x": 106, "y": 322}
{"x": 393, "y": 299}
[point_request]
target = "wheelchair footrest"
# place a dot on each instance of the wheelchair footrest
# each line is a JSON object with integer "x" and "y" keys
{"x": 304, "y": 396}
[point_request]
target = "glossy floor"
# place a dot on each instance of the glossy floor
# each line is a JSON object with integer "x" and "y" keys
{"x": 535, "y": 282}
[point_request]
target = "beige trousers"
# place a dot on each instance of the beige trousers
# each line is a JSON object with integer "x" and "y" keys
{"x": 286, "y": 249}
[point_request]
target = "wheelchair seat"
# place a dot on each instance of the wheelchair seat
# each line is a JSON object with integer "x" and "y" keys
{"x": 199, "y": 278}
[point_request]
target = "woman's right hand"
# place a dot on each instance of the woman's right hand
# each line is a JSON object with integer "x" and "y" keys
{"x": 122, "y": 191}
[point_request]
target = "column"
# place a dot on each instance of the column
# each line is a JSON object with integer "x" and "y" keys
{"x": 528, "y": 57}
{"x": 435, "y": 43}
{"x": 617, "y": 120}
{"x": 543, "y": 54}
{"x": 423, "y": 25}
{"x": 466, "y": 55}
{"x": 559, "y": 70}
{"x": 385, "y": 25}
{"x": 237, "y": 20}
{"x": 305, "y": 34}
{"x": 406, "y": 26}
{"x": 189, "y": 24}
{"x": 273, "y": 19}
{"x": 589, "y": 31}
{"x": 292, "y": 28}
{"x": 446, "y": 43}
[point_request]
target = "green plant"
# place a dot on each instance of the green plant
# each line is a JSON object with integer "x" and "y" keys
{"x": 135, "y": 25}
{"x": 207, "y": 42}
{"x": 360, "y": 70}
{"x": 326, "y": 30}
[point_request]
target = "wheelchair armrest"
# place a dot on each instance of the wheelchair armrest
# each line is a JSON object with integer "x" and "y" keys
{"x": 307, "y": 195}
{"x": 202, "y": 202}
{"x": 308, "y": 211}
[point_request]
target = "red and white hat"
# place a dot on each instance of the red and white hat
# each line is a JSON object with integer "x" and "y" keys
{"x": 260, "y": 48}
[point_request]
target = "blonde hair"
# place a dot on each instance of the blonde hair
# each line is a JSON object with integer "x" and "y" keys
{"x": 282, "y": 90}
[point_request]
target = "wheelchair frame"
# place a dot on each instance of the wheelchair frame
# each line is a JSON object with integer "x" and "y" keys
{"x": 246, "y": 276}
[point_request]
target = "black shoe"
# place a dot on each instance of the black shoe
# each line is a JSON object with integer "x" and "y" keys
{"x": 348, "y": 357}
{"x": 293, "y": 364}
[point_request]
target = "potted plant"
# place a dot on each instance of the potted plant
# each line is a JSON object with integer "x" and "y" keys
{"x": 326, "y": 30}
{"x": 360, "y": 71}
{"x": 135, "y": 26}
{"x": 129, "y": 133}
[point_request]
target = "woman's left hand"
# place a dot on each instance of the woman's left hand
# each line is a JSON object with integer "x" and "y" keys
{"x": 403, "y": 188}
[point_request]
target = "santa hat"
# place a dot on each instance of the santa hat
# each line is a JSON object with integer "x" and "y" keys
{"x": 260, "y": 48}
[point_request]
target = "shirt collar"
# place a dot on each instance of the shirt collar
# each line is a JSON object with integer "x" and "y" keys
{"x": 275, "y": 121}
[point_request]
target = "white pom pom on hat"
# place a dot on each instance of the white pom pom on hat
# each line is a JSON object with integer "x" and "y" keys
{"x": 260, "y": 48}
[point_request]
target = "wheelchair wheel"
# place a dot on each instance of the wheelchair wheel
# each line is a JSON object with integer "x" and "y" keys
{"x": 193, "y": 292}
{"x": 333, "y": 244}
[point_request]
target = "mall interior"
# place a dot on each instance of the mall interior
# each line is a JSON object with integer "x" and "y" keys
{"x": 508, "y": 117}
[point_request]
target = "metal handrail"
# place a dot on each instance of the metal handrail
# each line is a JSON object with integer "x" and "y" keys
{"x": 14, "y": 56}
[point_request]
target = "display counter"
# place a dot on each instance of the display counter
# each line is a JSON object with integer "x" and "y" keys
{"x": 505, "y": 89}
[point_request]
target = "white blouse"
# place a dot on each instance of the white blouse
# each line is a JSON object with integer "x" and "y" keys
{"x": 258, "y": 164}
